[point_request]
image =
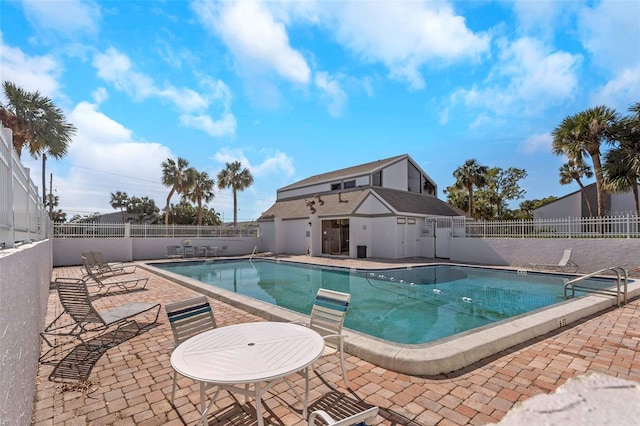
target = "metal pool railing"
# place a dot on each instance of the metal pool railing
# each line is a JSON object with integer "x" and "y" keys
{"x": 621, "y": 279}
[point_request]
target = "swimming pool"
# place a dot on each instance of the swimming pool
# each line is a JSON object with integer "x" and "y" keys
{"x": 407, "y": 306}
{"x": 437, "y": 357}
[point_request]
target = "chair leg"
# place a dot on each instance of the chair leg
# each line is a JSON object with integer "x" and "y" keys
{"x": 344, "y": 372}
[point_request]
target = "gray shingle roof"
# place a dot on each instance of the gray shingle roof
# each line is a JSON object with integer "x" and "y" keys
{"x": 344, "y": 173}
{"x": 346, "y": 203}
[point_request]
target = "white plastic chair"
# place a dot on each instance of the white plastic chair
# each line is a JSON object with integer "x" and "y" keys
{"x": 327, "y": 318}
{"x": 363, "y": 418}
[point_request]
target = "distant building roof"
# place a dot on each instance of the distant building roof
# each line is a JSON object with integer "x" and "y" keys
{"x": 344, "y": 173}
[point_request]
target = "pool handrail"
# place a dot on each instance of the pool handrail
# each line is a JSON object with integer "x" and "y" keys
{"x": 615, "y": 269}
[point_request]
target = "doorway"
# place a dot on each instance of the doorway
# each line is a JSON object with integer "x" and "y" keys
{"x": 335, "y": 237}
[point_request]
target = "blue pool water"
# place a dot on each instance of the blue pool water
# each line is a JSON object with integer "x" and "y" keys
{"x": 404, "y": 305}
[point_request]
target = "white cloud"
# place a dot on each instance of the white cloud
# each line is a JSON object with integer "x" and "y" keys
{"x": 542, "y": 17}
{"x": 534, "y": 70}
{"x": 105, "y": 158}
{"x": 100, "y": 95}
{"x": 332, "y": 93}
{"x": 444, "y": 116}
{"x": 32, "y": 73}
{"x": 527, "y": 78}
{"x": 610, "y": 31}
{"x": 116, "y": 68}
{"x": 255, "y": 38}
{"x": 430, "y": 33}
{"x": 225, "y": 125}
{"x": 537, "y": 143}
{"x": 620, "y": 92}
{"x": 275, "y": 164}
{"x": 68, "y": 16}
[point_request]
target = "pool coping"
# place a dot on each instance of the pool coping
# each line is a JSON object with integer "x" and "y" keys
{"x": 441, "y": 356}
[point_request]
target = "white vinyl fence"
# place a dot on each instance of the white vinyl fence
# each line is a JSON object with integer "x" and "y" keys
{"x": 571, "y": 227}
{"x": 23, "y": 217}
{"x": 130, "y": 230}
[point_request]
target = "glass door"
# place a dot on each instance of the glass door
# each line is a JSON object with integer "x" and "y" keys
{"x": 335, "y": 237}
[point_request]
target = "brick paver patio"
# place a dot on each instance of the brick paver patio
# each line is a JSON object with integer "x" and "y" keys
{"x": 130, "y": 384}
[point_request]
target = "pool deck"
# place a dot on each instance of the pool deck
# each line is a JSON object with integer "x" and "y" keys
{"x": 131, "y": 382}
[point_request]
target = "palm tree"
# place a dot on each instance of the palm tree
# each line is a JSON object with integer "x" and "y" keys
{"x": 202, "y": 189}
{"x": 177, "y": 175}
{"x": 120, "y": 200}
{"x": 236, "y": 178}
{"x": 576, "y": 170}
{"x": 38, "y": 124}
{"x": 470, "y": 174}
{"x": 622, "y": 163}
{"x": 581, "y": 135}
{"x": 52, "y": 202}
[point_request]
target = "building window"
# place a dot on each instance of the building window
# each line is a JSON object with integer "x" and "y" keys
{"x": 413, "y": 178}
{"x": 336, "y": 186}
{"x": 350, "y": 184}
{"x": 427, "y": 187}
{"x": 376, "y": 179}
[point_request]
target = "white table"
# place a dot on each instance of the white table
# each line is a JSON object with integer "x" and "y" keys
{"x": 255, "y": 355}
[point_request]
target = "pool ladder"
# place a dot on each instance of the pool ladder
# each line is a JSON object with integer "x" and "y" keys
{"x": 621, "y": 280}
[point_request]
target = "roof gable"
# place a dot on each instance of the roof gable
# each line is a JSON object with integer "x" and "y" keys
{"x": 348, "y": 172}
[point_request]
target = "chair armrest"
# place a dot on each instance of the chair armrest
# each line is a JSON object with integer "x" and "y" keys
{"x": 323, "y": 415}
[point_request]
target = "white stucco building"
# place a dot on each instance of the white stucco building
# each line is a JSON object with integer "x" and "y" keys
{"x": 575, "y": 205}
{"x": 387, "y": 208}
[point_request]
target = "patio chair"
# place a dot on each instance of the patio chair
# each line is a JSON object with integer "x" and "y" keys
{"x": 188, "y": 318}
{"x": 106, "y": 283}
{"x": 209, "y": 251}
{"x": 87, "y": 320}
{"x": 188, "y": 249}
{"x": 174, "y": 252}
{"x": 327, "y": 318}
{"x": 564, "y": 265}
{"x": 363, "y": 418}
{"x": 223, "y": 251}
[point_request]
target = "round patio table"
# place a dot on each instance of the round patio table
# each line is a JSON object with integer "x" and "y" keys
{"x": 249, "y": 359}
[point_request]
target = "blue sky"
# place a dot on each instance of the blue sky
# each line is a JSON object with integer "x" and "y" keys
{"x": 296, "y": 88}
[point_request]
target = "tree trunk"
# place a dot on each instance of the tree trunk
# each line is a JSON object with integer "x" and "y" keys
{"x": 235, "y": 208}
{"x": 597, "y": 168}
{"x": 44, "y": 182}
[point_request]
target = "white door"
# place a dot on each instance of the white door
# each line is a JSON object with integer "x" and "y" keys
{"x": 444, "y": 228}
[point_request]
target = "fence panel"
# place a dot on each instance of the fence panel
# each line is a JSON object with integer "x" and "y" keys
{"x": 22, "y": 215}
{"x": 581, "y": 227}
{"x": 126, "y": 230}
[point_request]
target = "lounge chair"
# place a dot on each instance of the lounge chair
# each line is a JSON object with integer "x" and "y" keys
{"x": 106, "y": 283}
{"x": 564, "y": 265}
{"x": 327, "y": 318}
{"x": 363, "y": 418}
{"x": 94, "y": 262}
{"x": 188, "y": 318}
{"x": 88, "y": 322}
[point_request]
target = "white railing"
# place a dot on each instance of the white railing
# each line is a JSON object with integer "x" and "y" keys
{"x": 128, "y": 230}
{"x": 23, "y": 217}
{"x": 586, "y": 227}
